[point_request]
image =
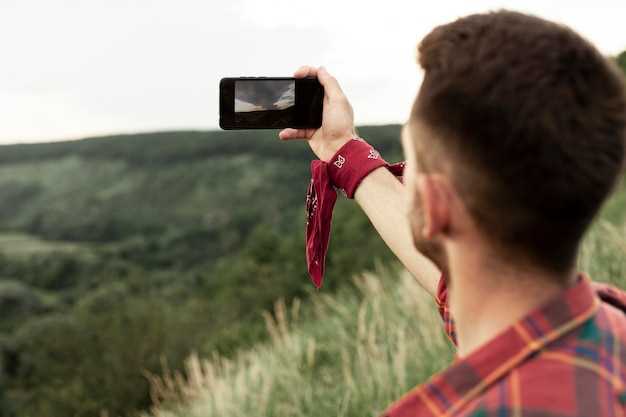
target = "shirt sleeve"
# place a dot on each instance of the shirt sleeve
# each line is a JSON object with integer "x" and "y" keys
{"x": 442, "y": 303}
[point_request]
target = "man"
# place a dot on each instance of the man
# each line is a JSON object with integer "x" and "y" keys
{"x": 515, "y": 139}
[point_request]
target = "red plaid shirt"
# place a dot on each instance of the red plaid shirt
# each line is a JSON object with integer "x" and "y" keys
{"x": 567, "y": 358}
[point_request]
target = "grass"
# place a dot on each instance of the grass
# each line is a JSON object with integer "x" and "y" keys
{"x": 349, "y": 354}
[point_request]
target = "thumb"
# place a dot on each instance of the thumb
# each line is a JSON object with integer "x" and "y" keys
{"x": 331, "y": 86}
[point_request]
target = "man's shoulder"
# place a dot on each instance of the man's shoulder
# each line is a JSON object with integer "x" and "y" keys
{"x": 575, "y": 375}
{"x": 590, "y": 359}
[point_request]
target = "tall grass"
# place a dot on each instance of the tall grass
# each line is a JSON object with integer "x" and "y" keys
{"x": 349, "y": 354}
{"x": 603, "y": 253}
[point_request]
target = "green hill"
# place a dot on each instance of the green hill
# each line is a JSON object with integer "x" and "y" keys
{"x": 111, "y": 188}
{"x": 118, "y": 252}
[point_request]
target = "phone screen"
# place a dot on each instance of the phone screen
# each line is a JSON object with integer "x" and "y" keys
{"x": 264, "y": 95}
{"x": 270, "y": 103}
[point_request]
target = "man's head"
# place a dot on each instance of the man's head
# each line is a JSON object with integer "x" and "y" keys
{"x": 519, "y": 128}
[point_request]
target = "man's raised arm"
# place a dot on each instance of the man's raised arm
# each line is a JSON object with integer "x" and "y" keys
{"x": 380, "y": 194}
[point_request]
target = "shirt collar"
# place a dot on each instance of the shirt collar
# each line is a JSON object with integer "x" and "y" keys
{"x": 451, "y": 389}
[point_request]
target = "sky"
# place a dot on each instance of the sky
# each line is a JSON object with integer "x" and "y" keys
{"x": 71, "y": 69}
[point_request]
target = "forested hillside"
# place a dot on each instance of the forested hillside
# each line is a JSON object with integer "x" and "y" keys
{"x": 121, "y": 254}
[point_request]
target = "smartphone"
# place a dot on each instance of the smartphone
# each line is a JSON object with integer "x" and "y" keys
{"x": 270, "y": 103}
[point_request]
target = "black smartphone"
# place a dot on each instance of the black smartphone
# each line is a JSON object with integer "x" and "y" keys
{"x": 270, "y": 103}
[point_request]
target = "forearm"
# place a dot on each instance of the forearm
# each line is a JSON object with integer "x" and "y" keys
{"x": 380, "y": 195}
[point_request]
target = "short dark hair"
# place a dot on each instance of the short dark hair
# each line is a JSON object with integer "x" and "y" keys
{"x": 533, "y": 117}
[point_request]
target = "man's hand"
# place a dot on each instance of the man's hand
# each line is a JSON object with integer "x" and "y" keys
{"x": 337, "y": 117}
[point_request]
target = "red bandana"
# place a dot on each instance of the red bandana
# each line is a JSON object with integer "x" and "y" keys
{"x": 345, "y": 170}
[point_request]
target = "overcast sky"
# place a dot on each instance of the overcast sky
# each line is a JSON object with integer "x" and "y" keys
{"x": 70, "y": 69}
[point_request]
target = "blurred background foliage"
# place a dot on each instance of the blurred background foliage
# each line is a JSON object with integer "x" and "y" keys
{"x": 120, "y": 255}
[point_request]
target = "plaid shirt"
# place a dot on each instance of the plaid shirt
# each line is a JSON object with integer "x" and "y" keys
{"x": 567, "y": 358}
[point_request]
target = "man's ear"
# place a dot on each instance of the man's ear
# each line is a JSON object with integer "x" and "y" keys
{"x": 436, "y": 205}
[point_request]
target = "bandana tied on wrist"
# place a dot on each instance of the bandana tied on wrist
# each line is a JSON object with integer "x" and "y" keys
{"x": 345, "y": 171}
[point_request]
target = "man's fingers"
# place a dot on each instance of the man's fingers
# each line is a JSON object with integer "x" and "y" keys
{"x": 331, "y": 86}
{"x": 305, "y": 71}
{"x": 289, "y": 134}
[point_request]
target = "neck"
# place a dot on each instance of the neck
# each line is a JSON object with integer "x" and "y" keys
{"x": 486, "y": 298}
